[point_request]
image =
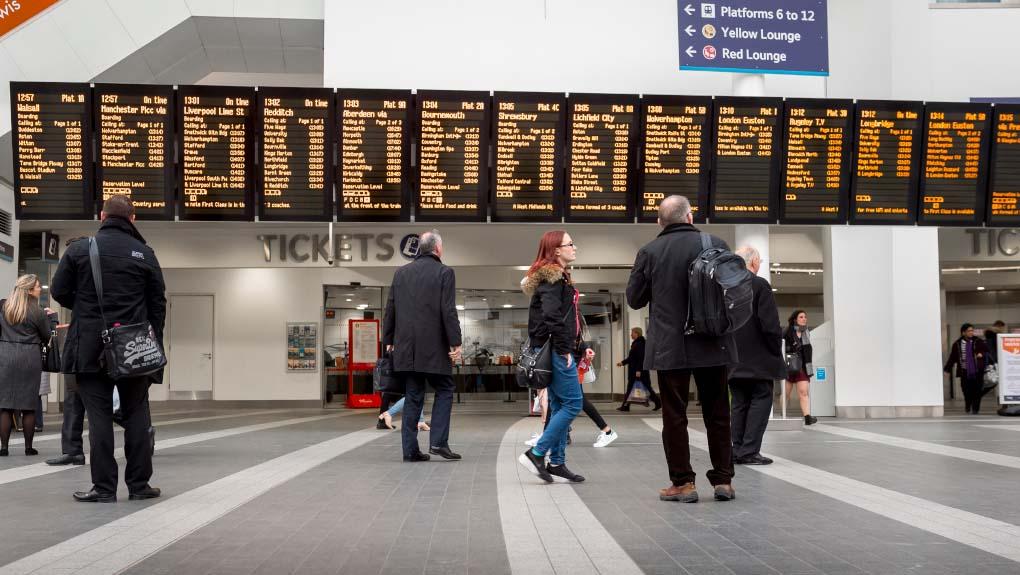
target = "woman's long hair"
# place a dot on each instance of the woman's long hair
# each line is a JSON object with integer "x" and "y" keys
{"x": 547, "y": 247}
{"x": 16, "y": 308}
{"x": 792, "y": 322}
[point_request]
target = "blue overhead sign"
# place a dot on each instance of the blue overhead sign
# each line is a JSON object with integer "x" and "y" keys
{"x": 754, "y": 36}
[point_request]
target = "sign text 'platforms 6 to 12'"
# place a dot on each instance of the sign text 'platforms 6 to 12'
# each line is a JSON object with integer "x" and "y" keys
{"x": 754, "y": 36}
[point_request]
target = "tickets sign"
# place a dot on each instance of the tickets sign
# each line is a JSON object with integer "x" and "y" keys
{"x": 754, "y": 36}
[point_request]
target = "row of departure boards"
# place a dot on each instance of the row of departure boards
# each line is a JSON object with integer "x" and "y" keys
{"x": 231, "y": 153}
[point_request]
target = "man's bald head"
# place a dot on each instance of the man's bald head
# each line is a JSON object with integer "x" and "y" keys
{"x": 674, "y": 209}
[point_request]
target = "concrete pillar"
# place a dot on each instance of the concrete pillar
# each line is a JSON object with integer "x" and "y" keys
{"x": 882, "y": 297}
{"x": 749, "y": 84}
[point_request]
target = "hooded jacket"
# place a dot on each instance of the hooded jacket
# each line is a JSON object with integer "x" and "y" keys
{"x": 552, "y": 313}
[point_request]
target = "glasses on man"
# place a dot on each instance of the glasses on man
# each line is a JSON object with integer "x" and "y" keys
{"x": 570, "y": 245}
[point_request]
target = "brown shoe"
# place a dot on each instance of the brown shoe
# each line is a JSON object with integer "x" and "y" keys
{"x": 725, "y": 492}
{"x": 685, "y": 493}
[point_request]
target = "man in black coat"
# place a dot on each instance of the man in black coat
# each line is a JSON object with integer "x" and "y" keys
{"x": 760, "y": 346}
{"x": 422, "y": 332}
{"x": 133, "y": 292}
{"x": 659, "y": 279}
{"x": 635, "y": 363}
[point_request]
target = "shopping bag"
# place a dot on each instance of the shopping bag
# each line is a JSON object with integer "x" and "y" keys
{"x": 991, "y": 377}
{"x": 638, "y": 394}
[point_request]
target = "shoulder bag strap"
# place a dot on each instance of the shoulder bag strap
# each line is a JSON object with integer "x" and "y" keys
{"x": 97, "y": 276}
{"x": 706, "y": 241}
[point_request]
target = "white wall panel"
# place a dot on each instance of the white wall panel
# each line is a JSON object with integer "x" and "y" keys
{"x": 97, "y": 36}
{"x": 146, "y": 20}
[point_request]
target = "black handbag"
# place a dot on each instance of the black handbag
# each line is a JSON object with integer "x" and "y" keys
{"x": 51, "y": 353}
{"x": 383, "y": 378}
{"x": 534, "y": 366}
{"x": 128, "y": 350}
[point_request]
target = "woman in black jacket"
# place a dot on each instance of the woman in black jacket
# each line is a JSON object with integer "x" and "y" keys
{"x": 798, "y": 349}
{"x": 636, "y": 371}
{"x": 969, "y": 355}
{"x": 553, "y": 317}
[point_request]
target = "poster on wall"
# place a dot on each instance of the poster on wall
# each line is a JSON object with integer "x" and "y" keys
{"x": 1009, "y": 367}
{"x": 302, "y": 346}
{"x": 365, "y": 339}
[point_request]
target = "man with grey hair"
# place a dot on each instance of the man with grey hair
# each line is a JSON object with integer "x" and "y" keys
{"x": 422, "y": 332}
{"x": 760, "y": 348}
{"x": 659, "y": 280}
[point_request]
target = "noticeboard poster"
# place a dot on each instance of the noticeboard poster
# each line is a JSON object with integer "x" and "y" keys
{"x": 364, "y": 342}
{"x": 302, "y": 346}
{"x": 1009, "y": 367}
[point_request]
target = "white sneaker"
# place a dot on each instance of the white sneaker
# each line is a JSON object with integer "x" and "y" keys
{"x": 534, "y": 440}
{"x": 604, "y": 440}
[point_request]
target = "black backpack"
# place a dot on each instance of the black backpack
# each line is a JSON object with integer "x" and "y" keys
{"x": 720, "y": 298}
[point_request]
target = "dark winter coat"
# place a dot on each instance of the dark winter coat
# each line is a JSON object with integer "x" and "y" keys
{"x": 133, "y": 292}
{"x": 421, "y": 317}
{"x": 659, "y": 279}
{"x": 760, "y": 340}
{"x": 635, "y": 361}
{"x": 552, "y": 312}
{"x": 956, "y": 357}
{"x": 794, "y": 344}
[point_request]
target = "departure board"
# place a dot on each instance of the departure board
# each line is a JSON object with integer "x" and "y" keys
{"x": 216, "y": 164}
{"x": 453, "y": 153}
{"x": 886, "y": 164}
{"x": 955, "y": 164}
{"x": 746, "y": 159}
{"x": 295, "y": 154}
{"x": 134, "y": 155}
{"x": 818, "y": 147}
{"x": 676, "y": 142}
{"x": 602, "y": 142}
{"x": 374, "y": 133}
{"x": 527, "y": 167}
{"x": 1004, "y": 177}
{"x": 52, "y": 148}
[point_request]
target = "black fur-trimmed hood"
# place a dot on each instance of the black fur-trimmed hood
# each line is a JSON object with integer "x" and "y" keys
{"x": 549, "y": 273}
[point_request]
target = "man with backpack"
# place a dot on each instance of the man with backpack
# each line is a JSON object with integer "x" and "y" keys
{"x": 690, "y": 333}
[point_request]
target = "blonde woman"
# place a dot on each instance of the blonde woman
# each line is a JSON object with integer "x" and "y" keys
{"x": 23, "y": 328}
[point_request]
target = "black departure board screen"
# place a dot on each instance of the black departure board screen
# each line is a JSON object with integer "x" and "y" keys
{"x": 746, "y": 159}
{"x": 52, "y": 145}
{"x": 817, "y": 151}
{"x": 134, "y": 155}
{"x": 887, "y": 162}
{"x": 453, "y": 152}
{"x": 1004, "y": 176}
{"x": 295, "y": 154}
{"x": 602, "y": 142}
{"x": 527, "y": 166}
{"x": 955, "y": 164}
{"x": 676, "y": 142}
{"x": 216, "y": 162}
{"x": 372, "y": 174}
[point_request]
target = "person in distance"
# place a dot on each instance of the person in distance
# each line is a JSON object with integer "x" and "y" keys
{"x": 659, "y": 280}
{"x": 798, "y": 344}
{"x": 969, "y": 355}
{"x": 636, "y": 371}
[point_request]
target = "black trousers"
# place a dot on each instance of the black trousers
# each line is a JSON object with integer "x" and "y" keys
{"x": 414, "y": 399}
{"x": 674, "y": 385}
{"x": 973, "y": 388}
{"x": 96, "y": 392}
{"x": 74, "y": 422}
{"x": 751, "y": 404}
{"x": 646, "y": 378}
{"x": 594, "y": 414}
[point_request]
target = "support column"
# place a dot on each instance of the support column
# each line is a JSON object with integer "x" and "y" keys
{"x": 749, "y": 84}
{"x": 882, "y": 296}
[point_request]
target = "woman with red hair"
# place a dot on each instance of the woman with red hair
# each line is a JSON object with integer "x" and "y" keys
{"x": 553, "y": 316}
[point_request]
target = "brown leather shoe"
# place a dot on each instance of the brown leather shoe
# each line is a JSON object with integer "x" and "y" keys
{"x": 685, "y": 493}
{"x": 725, "y": 492}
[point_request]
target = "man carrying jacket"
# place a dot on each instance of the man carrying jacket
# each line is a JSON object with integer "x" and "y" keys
{"x": 133, "y": 292}
{"x": 760, "y": 347}
{"x": 422, "y": 332}
{"x": 659, "y": 279}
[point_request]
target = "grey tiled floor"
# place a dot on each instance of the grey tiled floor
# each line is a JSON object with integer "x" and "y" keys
{"x": 367, "y": 512}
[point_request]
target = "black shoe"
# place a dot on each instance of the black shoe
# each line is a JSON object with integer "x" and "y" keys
{"x": 380, "y": 424}
{"x": 623, "y": 408}
{"x": 39, "y": 428}
{"x": 31, "y": 451}
{"x": 93, "y": 496}
{"x": 756, "y": 459}
{"x": 657, "y": 407}
{"x": 4, "y": 452}
{"x": 418, "y": 457}
{"x": 147, "y": 492}
{"x": 561, "y": 474}
{"x": 67, "y": 460}
{"x": 535, "y": 464}
{"x": 444, "y": 452}
{"x": 810, "y": 420}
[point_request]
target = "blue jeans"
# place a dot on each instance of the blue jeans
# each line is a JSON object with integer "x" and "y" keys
{"x": 397, "y": 407}
{"x": 565, "y": 401}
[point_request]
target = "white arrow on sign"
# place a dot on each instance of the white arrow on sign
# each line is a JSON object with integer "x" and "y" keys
{"x": 690, "y": 30}
{"x": 690, "y": 51}
{"x": 689, "y": 9}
